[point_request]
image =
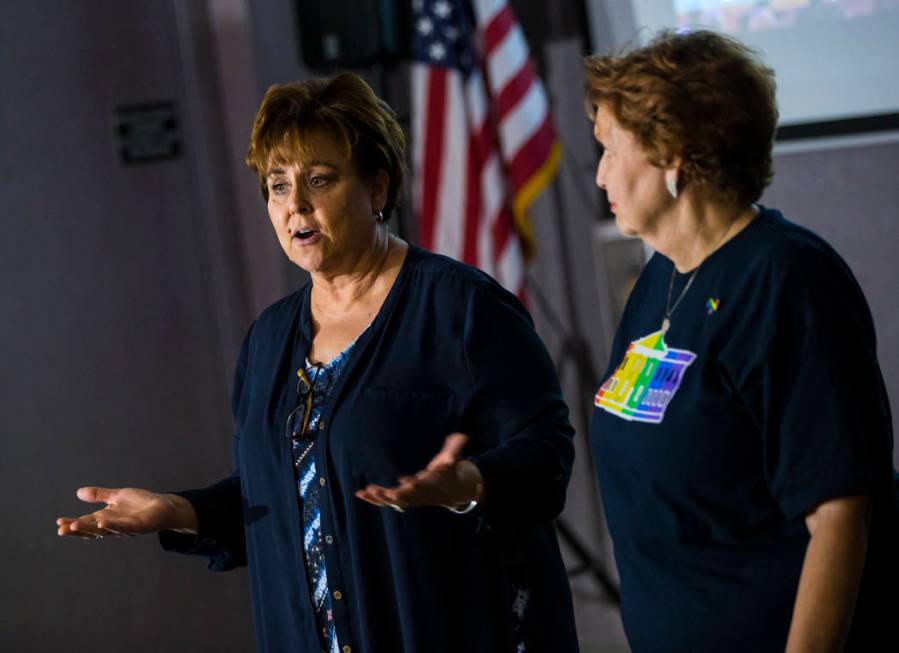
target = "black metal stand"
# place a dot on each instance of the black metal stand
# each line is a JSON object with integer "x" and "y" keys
{"x": 574, "y": 351}
{"x": 587, "y": 562}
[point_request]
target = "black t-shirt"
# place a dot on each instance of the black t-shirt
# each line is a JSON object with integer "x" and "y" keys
{"x": 713, "y": 440}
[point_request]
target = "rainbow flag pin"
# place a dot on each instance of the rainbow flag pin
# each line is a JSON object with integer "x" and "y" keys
{"x": 712, "y": 304}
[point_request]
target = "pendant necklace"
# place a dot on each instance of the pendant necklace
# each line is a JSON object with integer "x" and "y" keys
{"x": 669, "y": 309}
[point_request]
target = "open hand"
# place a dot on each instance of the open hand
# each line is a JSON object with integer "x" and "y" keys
{"x": 129, "y": 511}
{"x": 446, "y": 481}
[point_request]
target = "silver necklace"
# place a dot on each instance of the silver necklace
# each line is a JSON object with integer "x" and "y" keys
{"x": 669, "y": 309}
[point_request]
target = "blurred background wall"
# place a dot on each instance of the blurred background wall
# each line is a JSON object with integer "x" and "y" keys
{"x": 125, "y": 296}
{"x": 136, "y": 251}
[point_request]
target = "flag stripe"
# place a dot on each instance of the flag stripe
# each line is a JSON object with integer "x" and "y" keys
{"x": 497, "y": 28}
{"x": 510, "y": 270}
{"x": 493, "y": 184}
{"x": 472, "y": 200}
{"x": 435, "y": 89}
{"x": 486, "y": 10}
{"x": 507, "y": 59}
{"x": 448, "y": 236}
{"x": 520, "y": 123}
{"x": 525, "y": 164}
{"x": 480, "y": 148}
{"x": 493, "y": 203}
{"x": 501, "y": 231}
{"x": 514, "y": 91}
{"x": 476, "y": 100}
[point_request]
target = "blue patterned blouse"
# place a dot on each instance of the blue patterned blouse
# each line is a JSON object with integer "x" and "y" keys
{"x": 322, "y": 378}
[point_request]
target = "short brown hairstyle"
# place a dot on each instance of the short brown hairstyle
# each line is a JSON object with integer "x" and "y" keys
{"x": 343, "y": 106}
{"x": 700, "y": 96}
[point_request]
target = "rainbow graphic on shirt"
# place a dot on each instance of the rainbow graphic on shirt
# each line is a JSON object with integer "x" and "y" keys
{"x": 646, "y": 380}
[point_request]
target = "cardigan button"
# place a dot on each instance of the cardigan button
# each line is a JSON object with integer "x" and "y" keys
{"x": 321, "y": 425}
{"x": 329, "y": 539}
{"x": 337, "y": 595}
{"x": 322, "y": 480}
{"x": 347, "y": 649}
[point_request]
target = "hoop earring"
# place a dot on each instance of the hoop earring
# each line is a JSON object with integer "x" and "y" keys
{"x": 671, "y": 185}
{"x": 380, "y": 217}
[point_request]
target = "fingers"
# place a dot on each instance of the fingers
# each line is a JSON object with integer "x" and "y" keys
{"x": 383, "y": 497}
{"x": 62, "y": 526}
{"x": 423, "y": 489}
{"x": 86, "y": 526}
{"x": 451, "y": 451}
{"x": 454, "y": 444}
{"x": 101, "y": 523}
{"x": 83, "y": 527}
{"x": 377, "y": 496}
{"x": 92, "y": 494}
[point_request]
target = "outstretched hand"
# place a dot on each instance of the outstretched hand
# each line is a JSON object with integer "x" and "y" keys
{"x": 447, "y": 481}
{"x": 129, "y": 511}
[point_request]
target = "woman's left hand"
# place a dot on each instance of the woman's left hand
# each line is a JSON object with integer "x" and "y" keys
{"x": 447, "y": 481}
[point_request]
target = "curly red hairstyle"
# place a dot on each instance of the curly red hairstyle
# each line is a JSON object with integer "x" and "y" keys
{"x": 700, "y": 96}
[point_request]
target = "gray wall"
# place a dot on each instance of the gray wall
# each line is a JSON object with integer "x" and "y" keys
{"x": 123, "y": 306}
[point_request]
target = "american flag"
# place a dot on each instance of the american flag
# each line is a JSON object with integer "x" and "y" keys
{"x": 483, "y": 141}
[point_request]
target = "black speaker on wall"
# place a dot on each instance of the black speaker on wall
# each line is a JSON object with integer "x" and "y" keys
{"x": 353, "y": 33}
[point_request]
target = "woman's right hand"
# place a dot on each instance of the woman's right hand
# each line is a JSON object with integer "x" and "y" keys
{"x": 129, "y": 511}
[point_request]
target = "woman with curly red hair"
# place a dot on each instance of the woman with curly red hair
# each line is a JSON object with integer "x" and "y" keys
{"x": 742, "y": 433}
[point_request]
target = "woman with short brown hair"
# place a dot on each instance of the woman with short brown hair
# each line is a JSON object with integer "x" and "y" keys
{"x": 364, "y": 525}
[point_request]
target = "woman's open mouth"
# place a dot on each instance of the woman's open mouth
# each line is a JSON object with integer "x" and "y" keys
{"x": 306, "y": 236}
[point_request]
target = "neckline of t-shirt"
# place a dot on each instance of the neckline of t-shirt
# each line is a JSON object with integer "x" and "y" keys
{"x": 764, "y": 215}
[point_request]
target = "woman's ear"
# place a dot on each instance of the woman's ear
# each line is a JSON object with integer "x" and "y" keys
{"x": 380, "y": 184}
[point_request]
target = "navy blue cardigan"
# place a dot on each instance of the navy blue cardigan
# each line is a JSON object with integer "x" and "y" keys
{"x": 450, "y": 350}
